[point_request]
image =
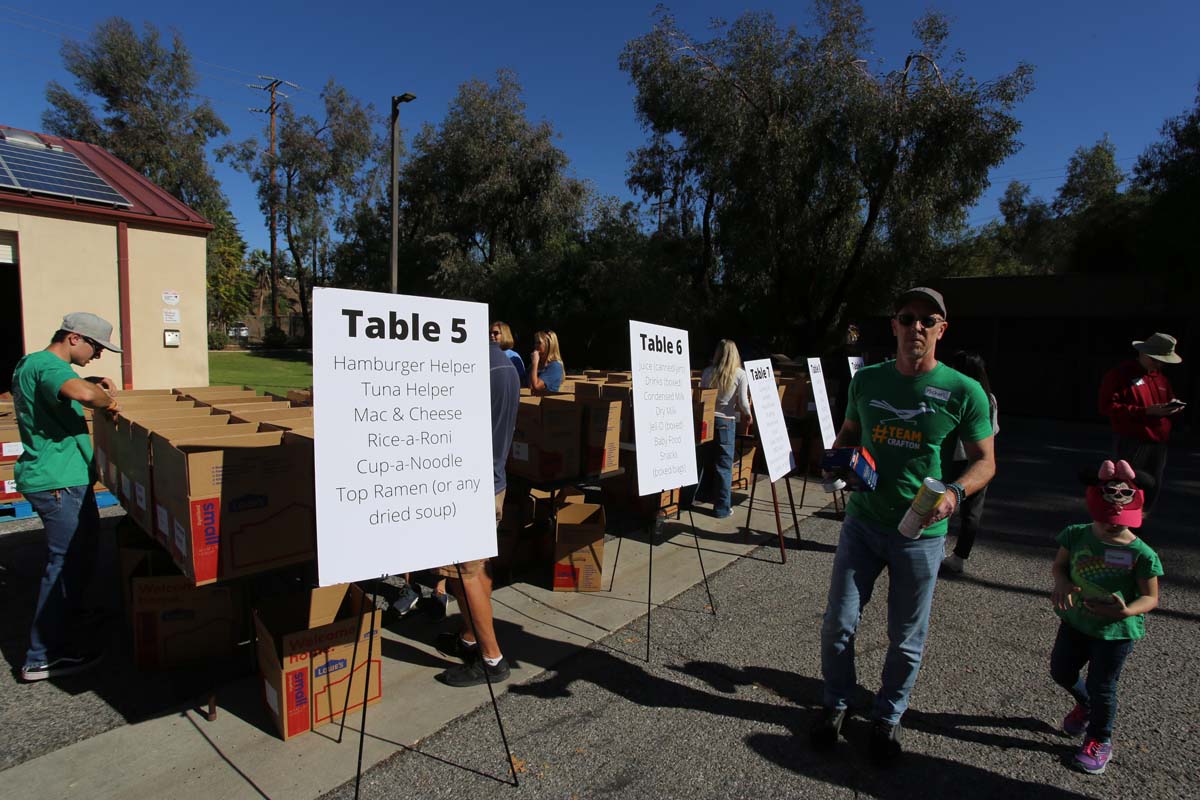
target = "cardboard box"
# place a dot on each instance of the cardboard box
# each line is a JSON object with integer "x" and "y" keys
{"x": 794, "y": 394}
{"x": 8, "y": 484}
{"x": 196, "y": 391}
{"x": 546, "y": 439}
{"x": 121, "y": 453}
{"x": 624, "y": 393}
{"x": 854, "y": 464}
{"x": 136, "y": 467}
{"x": 299, "y": 416}
{"x": 704, "y": 409}
{"x": 173, "y": 622}
{"x": 596, "y": 374}
{"x": 588, "y": 390}
{"x": 236, "y": 504}
{"x": 300, "y": 397}
{"x": 308, "y": 660}
{"x": 10, "y": 443}
{"x": 222, "y": 403}
{"x": 579, "y": 548}
{"x": 104, "y": 430}
{"x": 601, "y": 436}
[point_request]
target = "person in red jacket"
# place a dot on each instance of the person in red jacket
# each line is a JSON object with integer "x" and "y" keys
{"x": 1138, "y": 400}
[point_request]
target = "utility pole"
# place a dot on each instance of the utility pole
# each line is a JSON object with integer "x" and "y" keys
{"x": 272, "y": 85}
{"x": 394, "y": 252}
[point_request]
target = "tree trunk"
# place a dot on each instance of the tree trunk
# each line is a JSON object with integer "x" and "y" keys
{"x": 708, "y": 261}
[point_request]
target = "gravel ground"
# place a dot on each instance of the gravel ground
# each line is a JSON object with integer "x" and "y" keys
{"x": 722, "y": 708}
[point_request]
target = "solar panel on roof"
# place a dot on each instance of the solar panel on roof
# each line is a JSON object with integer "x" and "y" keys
{"x": 54, "y": 172}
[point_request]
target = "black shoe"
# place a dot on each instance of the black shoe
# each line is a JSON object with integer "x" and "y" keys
{"x": 472, "y": 673}
{"x": 59, "y": 667}
{"x": 451, "y": 644}
{"x": 823, "y": 735}
{"x": 885, "y": 742}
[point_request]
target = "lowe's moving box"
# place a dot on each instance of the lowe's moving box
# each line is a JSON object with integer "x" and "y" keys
{"x": 308, "y": 659}
{"x": 300, "y": 397}
{"x": 299, "y": 414}
{"x": 123, "y": 457}
{"x": 704, "y": 408}
{"x": 601, "y": 436}
{"x": 236, "y": 504}
{"x": 236, "y": 400}
{"x": 137, "y": 469}
{"x": 579, "y": 548}
{"x": 624, "y": 393}
{"x": 10, "y": 443}
{"x": 794, "y": 394}
{"x": 8, "y": 484}
{"x": 174, "y": 623}
{"x": 546, "y": 439}
{"x": 104, "y": 431}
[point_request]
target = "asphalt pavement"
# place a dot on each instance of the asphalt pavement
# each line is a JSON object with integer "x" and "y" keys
{"x": 723, "y": 705}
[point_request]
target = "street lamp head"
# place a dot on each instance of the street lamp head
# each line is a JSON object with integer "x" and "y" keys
{"x": 404, "y": 98}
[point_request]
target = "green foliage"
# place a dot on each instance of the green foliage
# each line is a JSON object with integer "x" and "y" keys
{"x": 264, "y": 372}
{"x": 1092, "y": 179}
{"x": 217, "y": 340}
{"x": 230, "y": 283}
{"x": 814, "y": 183}
{"x": 275, "y": 339}
{"x": 149, "y": 117}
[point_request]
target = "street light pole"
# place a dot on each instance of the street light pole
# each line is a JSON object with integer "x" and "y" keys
{"x": 396, "y": 101}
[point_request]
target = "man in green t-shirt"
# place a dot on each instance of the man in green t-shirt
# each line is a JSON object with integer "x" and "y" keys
{"x": 56, "y": 473}
{"x": 903, "y": 412}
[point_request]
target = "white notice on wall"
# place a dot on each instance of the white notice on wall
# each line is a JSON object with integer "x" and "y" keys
{"x": 403, "y": 434}
{"x": 768, "y": 416}
{"x": 170, "y": 297}
{"x": 662, "y": 407}
{"x": 824, "y": 415}
{"x": 856, "y": 363}
{"x": 171, "y": 316}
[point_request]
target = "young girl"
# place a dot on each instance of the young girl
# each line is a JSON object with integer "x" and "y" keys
{"x": 1105, "y": 580}
{"x": 546, "y": 370}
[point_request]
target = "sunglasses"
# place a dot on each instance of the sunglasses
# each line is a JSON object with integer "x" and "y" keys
{"x": 926, "y": 322}
{"x": 97, "y": 348}
{"x": 494, "y": 334}
{"x": 1115, "y": 492}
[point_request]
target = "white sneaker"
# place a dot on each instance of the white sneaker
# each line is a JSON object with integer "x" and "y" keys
{"x": 953, "y": 563}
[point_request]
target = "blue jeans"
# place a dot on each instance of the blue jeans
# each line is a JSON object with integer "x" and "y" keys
{"x": 724, "y": 433}
{"x": 1098, "y": 693}
{"x": 864, "y": 549}
{"x": 72, "y": 524}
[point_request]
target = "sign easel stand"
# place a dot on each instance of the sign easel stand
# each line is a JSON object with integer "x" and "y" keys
{"x": 774, "y": 504}
{"x": 650, "y": 574}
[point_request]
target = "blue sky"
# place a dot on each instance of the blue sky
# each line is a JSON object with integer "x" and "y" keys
{"x": 1101, "y": 67}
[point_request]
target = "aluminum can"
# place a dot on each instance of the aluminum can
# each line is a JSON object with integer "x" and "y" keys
{"x": 928, "y": 496}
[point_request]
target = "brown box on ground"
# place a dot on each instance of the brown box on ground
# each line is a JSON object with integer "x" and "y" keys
{"x": 624, "y": 393}
{"x": 704, "y": 408}
{"x": 220, "y": 403}
{"x": 794, "y": 394}
{"x": 579, "y": 548}
{"x": 10, "y": 443}
{"x": 308, "y": 660}
{"x": 300, "y": 397}
{"x": 619, "y": 377}
{"x": 196, "y": 391}
{"x": 173, "y": 622}
{"x": 236, "y": 504}
{"x": 588, "y": 390}
{"x": 8, "y": 484}
{"x": 104, "y": 429}
{"x": 596, "y": 374}
{"x": 294, "y": 416}
{"x": 601, "y": 436}
{"x": 137, "y": 469}
{"x": 546, "y": 439}
{"x": 120, "y": 453}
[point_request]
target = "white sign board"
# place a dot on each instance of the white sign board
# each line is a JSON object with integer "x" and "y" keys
{"x": 403, "y": 434}
{"x": 170, "y": 316}
{"x": 170, "y": 297}
{"x": 824, "y": 415}
{"x": 768, "y": 415}
{"x": 856, "y": 363}
{"x": 662, "y": 407}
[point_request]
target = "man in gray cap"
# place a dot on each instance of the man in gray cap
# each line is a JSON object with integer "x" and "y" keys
{"x": 902, "y": 413}
{"x": 1139, "y": 402}
{"x": 56, "y": 474}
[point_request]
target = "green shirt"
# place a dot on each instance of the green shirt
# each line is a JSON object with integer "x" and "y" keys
{"x": 58, "y": 451}
{"x": 906, "y": 421}
{"x": 1101, "y": 569}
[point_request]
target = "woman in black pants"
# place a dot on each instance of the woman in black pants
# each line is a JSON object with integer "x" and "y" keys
{"x": 970, "y": 513}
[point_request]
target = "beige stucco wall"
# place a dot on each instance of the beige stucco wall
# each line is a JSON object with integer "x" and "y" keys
{"x": 71, "y": 265}
{"x": 161, "y": 262}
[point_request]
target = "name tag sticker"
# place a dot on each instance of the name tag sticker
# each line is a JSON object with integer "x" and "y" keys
{"x": 939, "y": 394}
{"x": 1139, "y": 382}
{"x": 1118, "y": 558}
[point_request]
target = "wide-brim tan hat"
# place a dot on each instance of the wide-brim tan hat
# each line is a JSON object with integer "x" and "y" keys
{"x": 1159, "y": 346}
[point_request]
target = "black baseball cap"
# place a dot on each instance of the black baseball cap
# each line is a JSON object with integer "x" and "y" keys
{"x": 922, "y": 293}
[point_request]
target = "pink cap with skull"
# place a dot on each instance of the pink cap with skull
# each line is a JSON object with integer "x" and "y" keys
{"x": 1115, "y": 493}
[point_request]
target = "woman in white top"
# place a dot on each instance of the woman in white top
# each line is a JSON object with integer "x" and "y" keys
{"x": 726, "y": 375}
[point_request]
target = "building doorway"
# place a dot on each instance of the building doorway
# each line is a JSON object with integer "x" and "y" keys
{"x": 12, "y": 336}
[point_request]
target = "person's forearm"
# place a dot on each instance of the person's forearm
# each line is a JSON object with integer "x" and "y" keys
{"x": 1142, "y": 605}
{"x": 977, "y": 475}
{"x": 99, "y": 400}
{"x": 847, "y": 438}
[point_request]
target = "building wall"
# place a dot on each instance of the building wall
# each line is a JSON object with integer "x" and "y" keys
{"x": 168, "y": 262}
{"x": 71, "y": 265}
